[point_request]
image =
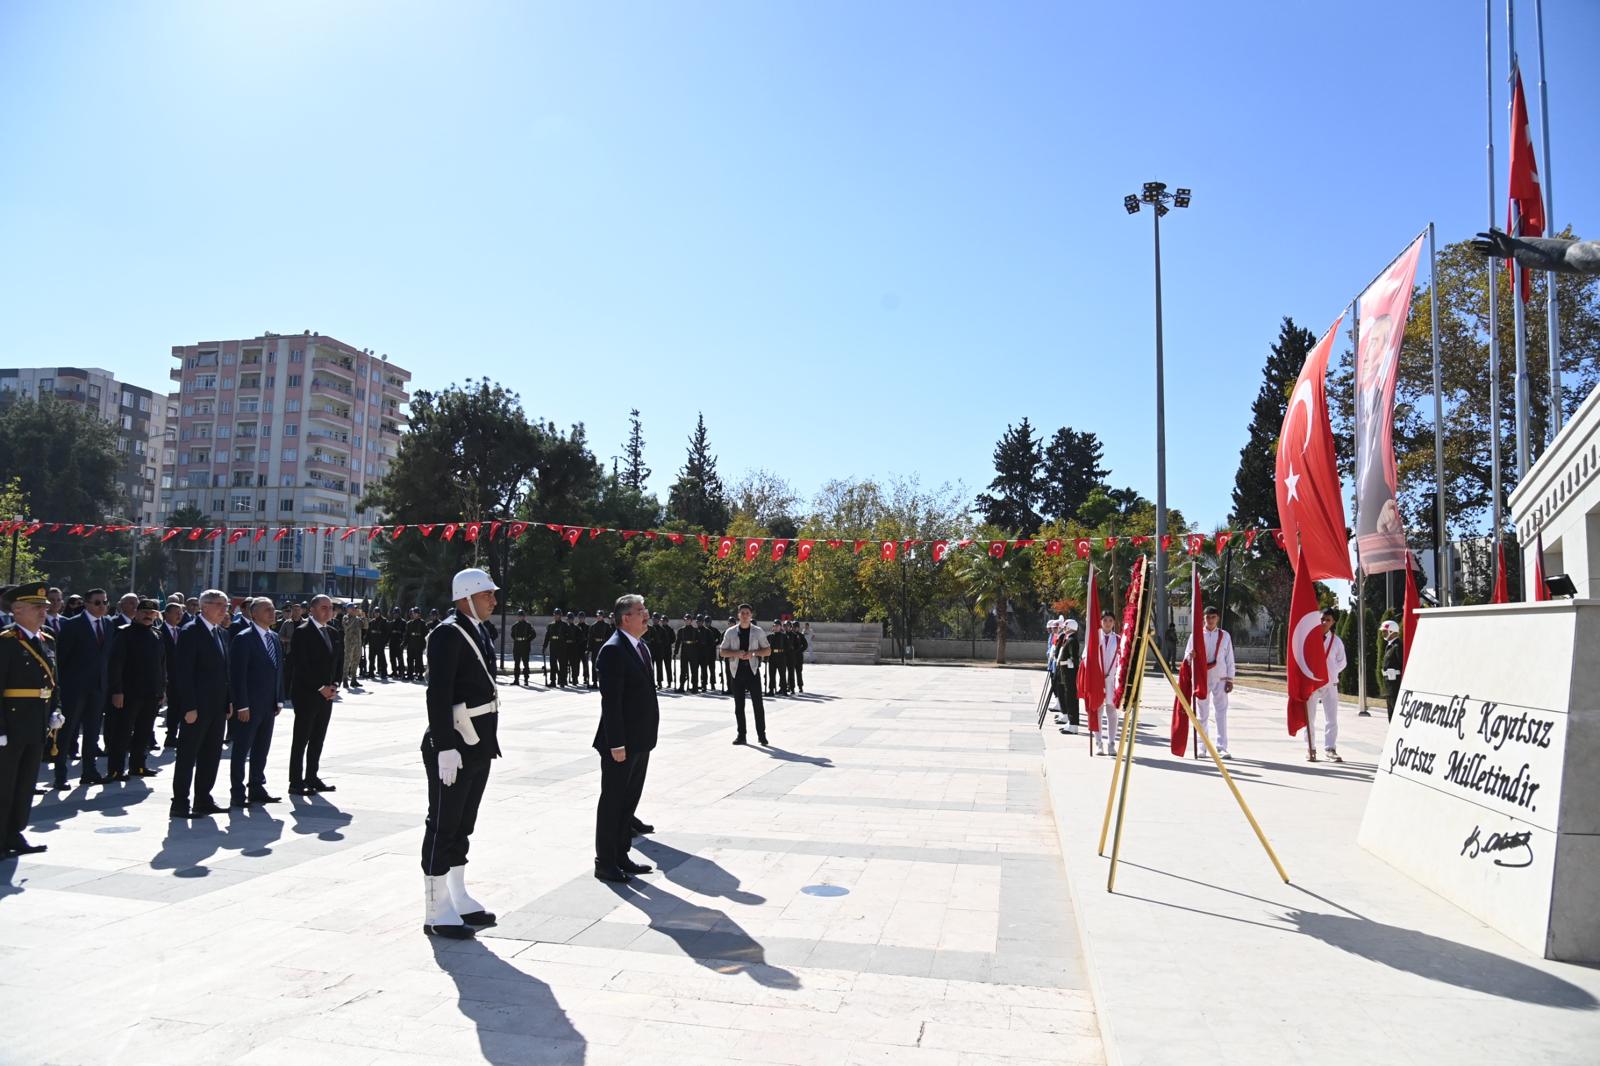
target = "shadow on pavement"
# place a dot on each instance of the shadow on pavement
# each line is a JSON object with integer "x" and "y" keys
{"x": 705, "y": 934}
{"x": 515, "y": 1014}
{"x": 789, "y": 756}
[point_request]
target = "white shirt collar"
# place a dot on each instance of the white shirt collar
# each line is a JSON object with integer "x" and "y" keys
{"x": 262, "y": 631}
{"x": 31, "y": 634}
{"x": 637, "y": 643}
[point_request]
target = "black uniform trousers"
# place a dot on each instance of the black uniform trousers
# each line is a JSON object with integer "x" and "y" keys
{"x": 685, "y": 667}
{"x": 252, "y": 741}
{"x": 128, "y": 733}
{"x": 19, "y": 764}
{"x": 377, "y": 660}
{"x": 621, "y": 785}
{"x": 1065, "y": 684}
{"x": 83, "y": 710}
{"x": 199, "y": 756}
{"x": 799, "y": 668}
{"x": 414, "y": 668}
{"x": 521, "y": 652}
{"x": 663, "y": 666}
{"x": 746, "y": 680}
{"x": 397, "y": 658}
{"x": 311, "y": 717}
{"x": 453, "y": 809}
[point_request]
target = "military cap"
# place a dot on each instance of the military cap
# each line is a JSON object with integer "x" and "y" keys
{"x": 27, "y": 592}
{"x": 149, "y": 605}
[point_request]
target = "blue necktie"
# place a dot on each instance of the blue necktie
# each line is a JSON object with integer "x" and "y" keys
{"x": 272, "y": 650}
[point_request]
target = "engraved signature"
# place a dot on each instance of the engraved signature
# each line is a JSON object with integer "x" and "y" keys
{"x": 1477, "y": 844}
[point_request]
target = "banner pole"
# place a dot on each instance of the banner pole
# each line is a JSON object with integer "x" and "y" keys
{"x": 1518, "y": 312}
{"x": 1361, "y": 585}
{"x": 1552, "y": 312}
{"x": 1441, "y": 571}
{"x": 1494, "y": 286}
{"x": 1211, "y": 748}
{"x": 1130, "y": 725}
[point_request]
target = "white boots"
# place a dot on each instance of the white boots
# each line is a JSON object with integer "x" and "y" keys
{"x": 471, "y": 911}
{"x": 440, "y": 917}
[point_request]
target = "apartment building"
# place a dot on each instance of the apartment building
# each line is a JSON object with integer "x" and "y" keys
{"x": 285, "y": 430}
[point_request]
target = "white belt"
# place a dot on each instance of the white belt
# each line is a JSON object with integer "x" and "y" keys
{"x": 461, "y": 717}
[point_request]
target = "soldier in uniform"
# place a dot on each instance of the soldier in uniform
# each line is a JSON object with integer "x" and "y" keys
{"x": 662, "y": 650}
{"x": 726, "y": 665}
{"x": 355, "y": 639}
{"x": 775, "y": 640}
{"x": 397, "y": 646}
{"x": 578, "y": 648}
{"x": 522, "y": 634}
{"x": 686, "y": 644}
{"x": 554, "y": 638}
{"x": 599, "y": 633}
{"x": 1393, "y": 661}
{"x": 137, "y": 678}
{"x": 30, "y": 707}
{"x": 416, "y": 644}
{"x": 457, "y": 750}
{"x": 797, "y": 655}
{"x": 377, "y": 644}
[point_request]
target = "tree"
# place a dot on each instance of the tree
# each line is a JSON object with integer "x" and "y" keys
{"x": 697, "y": 497}
{"x": 634, "y": 472}
{"x": 1072, "y": 471}
{"x": 768, "y": 501}
{"x": 22, "y": 558}
{"x": 1014, "y": 493}
{"x": 992, "y": 582}
{"x": 186, "y": 560}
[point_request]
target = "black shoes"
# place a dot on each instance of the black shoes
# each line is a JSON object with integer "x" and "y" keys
{"x": 632, "y": 868}
{"x": 260, "y": 796}
{"x": 641, "y": 828}
{"x": 738, "y": 740}
{"x": 316, "y": 784}
{"x": 612, "y": 874}
{"x": 763, "y": 741}
{"x": 178, "y": 810}
{"x": 301, "y": 790}
{"x": 205, "y": 805}
{"x": 18, "y": 846}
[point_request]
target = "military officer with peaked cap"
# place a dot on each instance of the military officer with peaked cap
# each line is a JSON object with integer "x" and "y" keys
{"x": 30, "y": 707}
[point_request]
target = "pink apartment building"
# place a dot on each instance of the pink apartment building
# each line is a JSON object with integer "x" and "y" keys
{"x": 285, "y": 430}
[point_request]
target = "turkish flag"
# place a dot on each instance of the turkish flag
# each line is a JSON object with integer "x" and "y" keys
{"x": 1525, "y": 211}
{"x": 629, "y": 534}
{"x": 596, "y": 531}
{"x": 570, "y": 534}
{"x": 1092, "y": 670}
{"x": 394, "y": 534}
{"x": 997, "y": 549}
{"x": 859, "y": 545}
{"x": 1111, "y": 542}
{"x": 1137, "y": 542}
{"x": 556, "y": 527}
{"x": 1222, "y": 539}
{"x": 517, "y": 529}
{"x": 1310, "y": 502}
{"x": 752, "y": 548}
{"x": 886, "y": 550}
{"x": 237, "y": 535}
{"x": 1308, "y": 658}
{"x": 804, "y": 551}
{"x": 350, "y": 532}
{"x": 724, "y": 547}
{"x": 1166, "y": 542}
{"x": 196, "y": 533}
{"x": 1052, "y": 546}
{"x": 1540, "y": 593}
{"x": 1408, "y": 620}
{"x": 1081, "y": 545}
{"x": 372, "y": 534}
{"x": 280, "y": 534}
{"x": 940, "y": 549}
{"x": 779, "y": 548}
{"x": 1282, "y": 540}
{"x": 675, "y": 538}
{"x": 835, "y": 544}
{"x": 1500, "y": 594}
{"x": 473, "y": 529}
{"x": 214, "y": 534}
{"x": 1194, "y": 543}
{"x": 449, "y": 530}
{"x": 1250, "y": 538}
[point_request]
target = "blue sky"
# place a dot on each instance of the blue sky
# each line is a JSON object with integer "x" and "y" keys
{"x": 861, "y": 237}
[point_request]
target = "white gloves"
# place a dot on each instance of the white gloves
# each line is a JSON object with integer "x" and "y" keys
{"x": 1392, "y": 675}
{"x": 3, "y": 742}
{"x": 57, "y": 720}
{"x": 449, "y": 766}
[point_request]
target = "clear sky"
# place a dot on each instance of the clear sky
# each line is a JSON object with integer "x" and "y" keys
{"x": 861, "y": 237}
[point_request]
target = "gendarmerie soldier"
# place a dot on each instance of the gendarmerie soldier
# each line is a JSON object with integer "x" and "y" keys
{"x": 463, "y": 719}
{"x": 522, "y": 634}
{"x": 710, "y": 637}
{"x": 29, "y": 708}
{"x": 416, "y": 645}
{"x": 599, "y": 633}
{"x": 797, "y": 655}
{"x": 685, "y": 647}
{"x": 1393, "y": 661}
{"x": 578, "y": 642}
{"x": 378, "y": 645}
{"x": 397, "y": 646}
{"x": 137, "y": 678}
{"x": 554, "y": 640}
{"x": 776, "y": 639}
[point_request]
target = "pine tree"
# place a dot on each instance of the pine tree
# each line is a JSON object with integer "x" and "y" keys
{"x": 634, "y": 472}
{"x": 697, "y": 497}
{"x": 1014, "y": 493}
{"x": 1255, "y": 486}
{"x": 1072, "y": 471}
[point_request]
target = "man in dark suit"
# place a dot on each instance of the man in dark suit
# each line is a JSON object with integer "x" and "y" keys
{"x": 201, "y": 684}
{"x": 629, "y": 719}
{"x": 255, "y": 670}
{"x": 317, "y": 668}
{"x": 167, "y": 629}
{"x": 138, "y": 681}
{"x": 84, "y": 652}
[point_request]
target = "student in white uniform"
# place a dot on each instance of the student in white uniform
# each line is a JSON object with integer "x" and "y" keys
{"x": 1327, "y": 695}
{"x": 1212, "y": 709}
{"x": 1108, "y": 638}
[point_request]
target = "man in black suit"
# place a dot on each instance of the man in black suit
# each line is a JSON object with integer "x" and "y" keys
{"x": 138, "y": 681}
{"x": 312, "y": 688}
{"x": 202, "y": 687}
{"x": 255, "y": 670}
{"x": 629, "y": 719}
{"x": 167, "y": 629}
{"x": 84, "y": 653}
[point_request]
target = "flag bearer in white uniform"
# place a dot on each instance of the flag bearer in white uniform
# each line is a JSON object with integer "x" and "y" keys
{"x": 1109, "y": 640}
{"x": 1212, "y": 709}
{"x": 1327, "y": 695}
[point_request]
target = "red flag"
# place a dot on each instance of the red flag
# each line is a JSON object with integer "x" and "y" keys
{"x": 596, "y": 531}
{"x": 1540, "y": 593}
{"x": 629, "y": 534}
{"x": 394, "y": 534}
{"x": 372, "y": 534}
{"x": 705, "y": 541}
{"x": 169, "y": 534}
{"x": 1525, "y": 209}
{"x": 886, "y": 550}
{"x": 1308, "y": 659}
{"x": 1193, "y": 676}
{"x": 235, "y": 536}
{"x": 1022, "y": 543}
{"x": 805, "y": 549}
{"x": 997, "y": 549}
{"x": 752, "y": 548}
{"x": 1282, "y": 540}
{"x": 473, "y": 529}
{"x": 1222, "y": 539}
{"x": 280, "y": 534}
{"x": 494, "y": 527}
{"x": 724, "y": 547}
{"x": 1250, "y": 538}
{"x": 426, "y": 529}
{"x": 1194, "y": 543}
{"x": 76, "y": 531}
{"x": 1092, "y": 670}
{"x": 1500, "y": 595}
{"x": 449, "y": 530}
{"x": 350, "y": 532}
{"x": 196, "y": 533}
{"x": 835, "y": 544}
{"x": 556, "y": 527}
{"x": 940, "y": 547}
{"x": 570, "y": 534}
{"x": 1137, "y": 542}
{"x": 1111, "y": 542}
{"x": 214, "y": 534}
{"x": 1310, "y": 501}
{"x": 1052, "y": 546}
{"x": 1408, "y": 620}
{"x": 859, "y": 545}
{"x": 779, "y": 549}
{"x": 675, "y": 538}
{"x": 1081, "y": 546}
{"x": 517, "y": 529}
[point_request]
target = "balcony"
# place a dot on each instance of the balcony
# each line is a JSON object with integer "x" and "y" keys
{"x": 327, "y": 412}
{"x": 342, "y": 365}
{"x": 332, "y": 463}
{"x": 322, "y": 484}
{"x": 249, "y": 382}
{"x": 197, "y": 387}
{"x": 321, "y": 386}
{"x": 323, "y": 508}
{"x": 324, "y": 438}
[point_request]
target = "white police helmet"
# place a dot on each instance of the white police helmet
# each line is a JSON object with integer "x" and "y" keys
{"x": 470, "y": 582}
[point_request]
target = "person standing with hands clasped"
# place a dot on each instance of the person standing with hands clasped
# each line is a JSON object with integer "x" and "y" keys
{"x": 1393, "y": 660}
{"x": 743, "y": 645}
{"x": 629, "y": 719}
{"x": 463, "y": 723}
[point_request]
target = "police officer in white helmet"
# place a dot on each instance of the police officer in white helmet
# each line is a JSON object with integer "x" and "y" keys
{"x": 463, "y": 715}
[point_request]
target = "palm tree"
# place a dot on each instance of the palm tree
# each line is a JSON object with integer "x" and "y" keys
{"x": 992, "y": 582}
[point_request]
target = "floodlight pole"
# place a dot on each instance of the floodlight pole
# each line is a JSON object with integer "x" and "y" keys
{"x": 1161, "y": 451}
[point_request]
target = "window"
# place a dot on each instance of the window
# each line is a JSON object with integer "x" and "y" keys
{"x": 243, "y": 555}
{"x": 266, "y": 431}
{"x": 288, "y": 481}
{"x": 127, "y": 396}
{"x": 224, "y": 432}
{"x": 296, "y": 355}
{"x": 94, "y": 392}
{"x": 205, "y": 381}
{"x": 294, "y": 381}
{"x": 219, "y": 481}
{"x": 270, "y": 381}
{"x": 359, "y": 419}
{"x": 291, "y": 406}
{"x": 46, "y": 385}
{"x": 122, "y": 444}
{"x": 227, "y": 407}
{"x": 126, "y": 421}
{"x": 286, "y": 504}
{"x": 261, "y": 501}
{"x": 356, "y": 440}
{"x": 144, "y": 404}
{"x": 286, "y": 553}
{"x": 227, "y": 359}
{"x": 188, "y": 410}
{"x": 205, "y": 408}
{"x": 227, "y": 383}
{"x": 291, "y": 454}
{"x": 216, "y": 504}
{"x": 242, "y": 501}
{"x": 261, "y": 556}
{"x": 138, "y": 447}
{"x": 166, "y": 481}
{"x": 291, "y": 429}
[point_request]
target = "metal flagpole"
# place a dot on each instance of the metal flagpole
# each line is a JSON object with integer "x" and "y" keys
{"x": 1361, "y": 585}
{"x": 1552, "y": 313}
{"x": 1441, "y": 571}
{"x": 1518, "y": 312}
{"x": 1490, "y": 266}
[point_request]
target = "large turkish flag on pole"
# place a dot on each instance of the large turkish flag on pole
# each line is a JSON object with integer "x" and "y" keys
{"x": 1310, "y": 501}
{"x": 1092, "y": 674}
{"x": 1308, "y": 658}
{"x": 1525, "y": 209}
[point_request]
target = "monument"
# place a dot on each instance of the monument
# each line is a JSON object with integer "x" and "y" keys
{"x": 1486, "y": 789}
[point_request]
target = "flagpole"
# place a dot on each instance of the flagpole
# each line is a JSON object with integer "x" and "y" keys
{"x": 1361, "y": 585}
{"x": 1441, "y": 571}
{"x": 1494, "y": 295}
{"x": 1552, "y": 313}
{"x": 1518, "y": 312}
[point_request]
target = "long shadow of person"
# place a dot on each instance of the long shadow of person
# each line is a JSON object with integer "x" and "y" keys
{"x": 318, "y": 816}
{"x": 695, "y": 873}
{"x": 109, "y": 801}
{"x": 515, "y": 1014}
{"x": 188, "y": 844}
{"x": 705, "y": 934}
{"x": 789, "y": 756}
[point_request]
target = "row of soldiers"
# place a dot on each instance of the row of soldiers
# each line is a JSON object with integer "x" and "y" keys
{"x": 572, "y": 643}
{"x": 397, "y": 643}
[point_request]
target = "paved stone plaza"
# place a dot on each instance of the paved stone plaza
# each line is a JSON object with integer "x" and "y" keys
{"x": 942, "y": 934}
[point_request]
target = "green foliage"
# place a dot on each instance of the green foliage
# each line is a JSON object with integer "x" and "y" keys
{"x": 1013, "y": 495}
{"x": 993, "y": 583}
{"x": 21, "y": 558}
{"x": 634, "y": 471}
{"x": 697, "y": 498}
{"x": 1072, "y": 472}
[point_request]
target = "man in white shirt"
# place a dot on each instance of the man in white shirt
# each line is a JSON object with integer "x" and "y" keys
{"x": 1217, "y": 646}
{"x": 1109, "y": 640}
{"x": 742, "y": 645}
{"x": 1327, "y": 695}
